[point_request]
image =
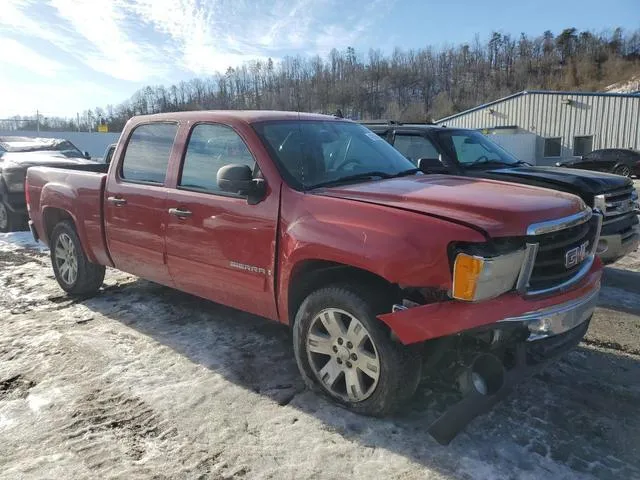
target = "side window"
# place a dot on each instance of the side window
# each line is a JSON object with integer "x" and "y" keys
{"x": 415, "y": 147}
{"x": 148, "y": 152}
{"x": 210, "y": 148}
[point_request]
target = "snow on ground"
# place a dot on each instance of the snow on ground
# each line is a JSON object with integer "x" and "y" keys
{"x": 145, "y": 382}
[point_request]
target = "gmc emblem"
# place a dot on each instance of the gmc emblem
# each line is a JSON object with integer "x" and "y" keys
{"x": 574, "y": 256}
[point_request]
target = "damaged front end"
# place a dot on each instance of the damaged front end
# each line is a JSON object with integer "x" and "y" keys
{"x": 487, "y": 364}
{"x": 489, "y": 343}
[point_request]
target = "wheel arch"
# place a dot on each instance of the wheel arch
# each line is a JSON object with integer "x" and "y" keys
{"x": 312, "y": 274}
{"x": 51, "y": 216}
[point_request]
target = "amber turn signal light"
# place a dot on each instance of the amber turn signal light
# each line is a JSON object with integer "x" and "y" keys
{"x": 466, "y": 272}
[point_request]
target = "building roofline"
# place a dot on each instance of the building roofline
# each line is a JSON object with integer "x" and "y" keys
{"x": 538, "y": 92}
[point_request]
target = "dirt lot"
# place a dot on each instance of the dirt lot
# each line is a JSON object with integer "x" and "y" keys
{"x": 145, "y": 382}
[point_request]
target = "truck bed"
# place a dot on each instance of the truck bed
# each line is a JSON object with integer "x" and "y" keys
{"x": 78, "y": 190}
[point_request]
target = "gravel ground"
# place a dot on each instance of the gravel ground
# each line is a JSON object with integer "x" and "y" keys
{"x": 145, "y": 382}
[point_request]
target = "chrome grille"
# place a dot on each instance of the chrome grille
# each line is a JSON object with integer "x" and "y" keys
{"x": 562, "y": 253}
{"x": 617, "y": 203}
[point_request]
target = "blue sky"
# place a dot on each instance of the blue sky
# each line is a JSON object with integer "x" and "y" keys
{"x": 64, "y": 56}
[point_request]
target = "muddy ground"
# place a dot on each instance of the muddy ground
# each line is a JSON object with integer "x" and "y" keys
{"x": 145, "y": 382}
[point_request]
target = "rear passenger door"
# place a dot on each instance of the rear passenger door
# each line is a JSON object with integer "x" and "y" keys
{"x": 135, "y": 205}
{"x": 218, "y": 246}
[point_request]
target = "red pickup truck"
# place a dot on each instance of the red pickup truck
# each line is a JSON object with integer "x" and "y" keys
{"x": 315, "y": 222}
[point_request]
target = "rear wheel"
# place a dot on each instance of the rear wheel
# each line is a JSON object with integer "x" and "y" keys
{"x": 344, "y": 352}
{"x": 623, "y": 170}
{"x": 74, "y": 272}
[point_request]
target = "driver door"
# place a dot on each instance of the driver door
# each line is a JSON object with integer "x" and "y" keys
{"x": 218, "y": 246}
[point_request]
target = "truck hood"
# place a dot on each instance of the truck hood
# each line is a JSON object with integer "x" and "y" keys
{"x": 499, "y": 209}
{"x": 580, "y": 182}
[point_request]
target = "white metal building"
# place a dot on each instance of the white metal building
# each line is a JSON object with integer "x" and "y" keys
{"x": 545, "y": 126}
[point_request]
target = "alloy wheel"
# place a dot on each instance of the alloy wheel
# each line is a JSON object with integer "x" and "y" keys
{"x": 342, "y": 355}
{"x": 624, "y": 171}
{"x": 66, "y": 260}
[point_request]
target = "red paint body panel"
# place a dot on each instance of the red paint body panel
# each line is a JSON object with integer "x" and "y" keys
{"x": 201, "y": 249}
{"x": 441, "y": 319}
{"x": 397, "y": 245}
{"x": 246, "y": 256}
{"x": 77, "y": 193}
{"x": 136, "y": 230}
{"x": 499, "y": 210}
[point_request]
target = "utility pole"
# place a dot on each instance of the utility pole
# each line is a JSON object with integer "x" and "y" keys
{"x": 37, "y": 121}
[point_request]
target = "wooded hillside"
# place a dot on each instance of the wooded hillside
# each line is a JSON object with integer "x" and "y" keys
{"x": 410, "y": 85}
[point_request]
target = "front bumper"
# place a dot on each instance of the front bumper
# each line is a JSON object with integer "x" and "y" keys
{"x": 614, "y": 247}
{"x": 559, "y": 319}
{"x": 544, "y": 316}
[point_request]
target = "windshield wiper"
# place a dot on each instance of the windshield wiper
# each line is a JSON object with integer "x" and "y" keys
{"x": 365, "y": 176}
{"x": 405, "y": 173}
{"x": 351, "y": 178}
{"x": 497, "y": 162}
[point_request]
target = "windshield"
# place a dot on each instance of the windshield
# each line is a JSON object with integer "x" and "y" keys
{"x": 471, "y": 148}
{"x": 312, "y": 153}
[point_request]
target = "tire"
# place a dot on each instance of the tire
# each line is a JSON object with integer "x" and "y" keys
{"x": 66, "y": 249}
{"x": 623, "y": 170}
{"x": 398, "y": 366}
{"x": 8, "y": 220}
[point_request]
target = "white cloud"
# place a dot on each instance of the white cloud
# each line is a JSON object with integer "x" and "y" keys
{"x": 53, "y": 99}
{"x": 106, "y": 46}
{"x": 16, "y": 54}
{"x": 138, "y": 42}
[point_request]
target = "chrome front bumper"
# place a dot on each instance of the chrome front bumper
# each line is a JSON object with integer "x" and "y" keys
{"x": 614, "y": 247}
{"x": 558, "y": 319}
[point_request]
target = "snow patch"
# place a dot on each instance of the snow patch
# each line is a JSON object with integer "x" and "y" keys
{"x": 22, "y": 240}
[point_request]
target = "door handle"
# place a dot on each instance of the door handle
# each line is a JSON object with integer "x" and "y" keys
{"x": 118, "y": 202}
{"x": 179, "y": 212}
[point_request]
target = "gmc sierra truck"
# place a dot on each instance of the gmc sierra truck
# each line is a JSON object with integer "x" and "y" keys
{"x": 469, "y": 153}
{"x": 380, "y": 270}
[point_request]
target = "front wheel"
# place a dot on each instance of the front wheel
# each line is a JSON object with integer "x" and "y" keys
{"x": 623, "y": 170}
{"x": 74, "y": 272}
{"x": 344, "y": 352}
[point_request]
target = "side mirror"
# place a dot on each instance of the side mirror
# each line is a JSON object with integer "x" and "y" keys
{"x": 239, "y": 179}
{"x": 432, "y": 165}
{"x": 87, "y": 155}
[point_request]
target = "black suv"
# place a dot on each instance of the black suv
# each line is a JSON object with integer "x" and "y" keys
{"x": 459, "y": 151}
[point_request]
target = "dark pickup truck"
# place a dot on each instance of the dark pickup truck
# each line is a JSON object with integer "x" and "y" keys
{"x": 319, "y": 224}
{"x": 17, "y": 154}
{"x": 467, "y": 152}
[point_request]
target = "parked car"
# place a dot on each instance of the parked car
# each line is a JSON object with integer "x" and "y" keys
{"x": 614, "y": 160}
{"x": 108, "y": 154}
{"x": 16, "y": 155}
{"x": 317, "y": 223}
{"x": 471, "y": 154}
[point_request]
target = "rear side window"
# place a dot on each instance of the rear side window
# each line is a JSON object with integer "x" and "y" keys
{"x": 148, "y": 152}
{"x": 415, "y": 147}
{"x": 210, "y": 148}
